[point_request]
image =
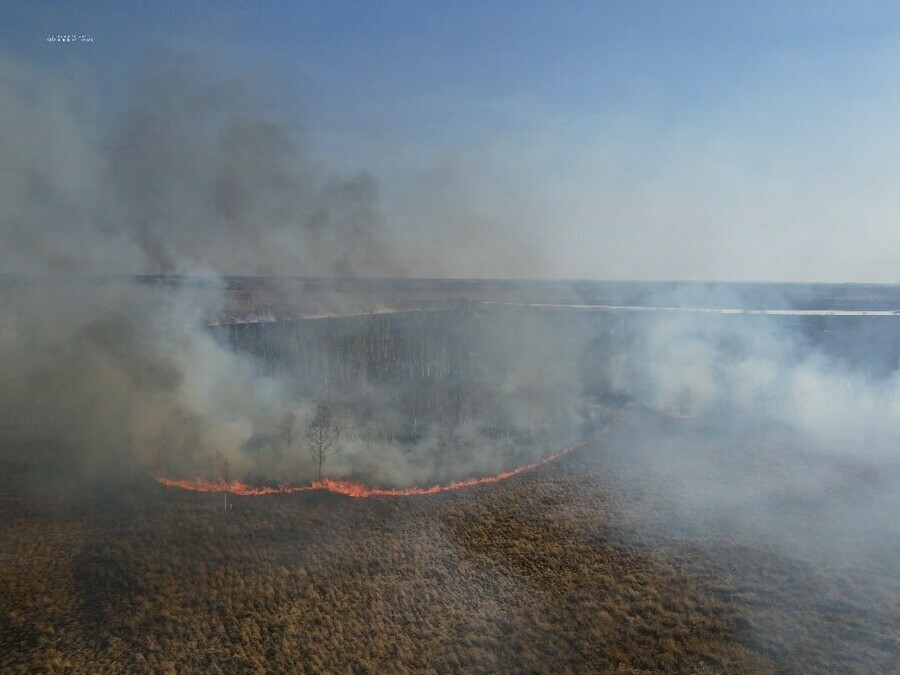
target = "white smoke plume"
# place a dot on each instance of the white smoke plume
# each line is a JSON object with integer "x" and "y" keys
{"x": 199, "y": 177}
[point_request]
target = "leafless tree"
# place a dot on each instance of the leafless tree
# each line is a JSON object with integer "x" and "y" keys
{"x": 323, "y": 436}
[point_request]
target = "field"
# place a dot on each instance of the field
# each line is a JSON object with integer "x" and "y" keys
{"x": 720, "y": 522}
{"x": 575, "y": 567}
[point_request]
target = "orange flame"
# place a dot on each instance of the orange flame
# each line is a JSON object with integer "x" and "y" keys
{"x": 354, "y": 489}
{"x": 351, "y": 488}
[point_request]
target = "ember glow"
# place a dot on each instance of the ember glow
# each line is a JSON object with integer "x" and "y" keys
{"x": 351, "y": 488}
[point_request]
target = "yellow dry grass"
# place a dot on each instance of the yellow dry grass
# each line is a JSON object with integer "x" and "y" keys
{"x": 547, "y": 572}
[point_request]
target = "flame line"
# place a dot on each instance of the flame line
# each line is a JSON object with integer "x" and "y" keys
{"x": 360, "y": 490}
{"x": 351, "y": 488}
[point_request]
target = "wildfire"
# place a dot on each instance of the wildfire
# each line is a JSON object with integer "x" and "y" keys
{"x": 351, "y": 488}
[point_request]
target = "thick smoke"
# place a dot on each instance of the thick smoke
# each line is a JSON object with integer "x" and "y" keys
{"x": 201, "y": 176}
{"x": 760, "y": 424}
{"x": 207, "y": 175}
{"x": 196, "y": 178}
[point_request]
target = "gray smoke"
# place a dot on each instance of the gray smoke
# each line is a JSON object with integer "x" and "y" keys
{"x": 755, "y": 427}
{"x": 196, "y": 177}
{"x": 206, "y": 173}
{"x": 201, "y": 176}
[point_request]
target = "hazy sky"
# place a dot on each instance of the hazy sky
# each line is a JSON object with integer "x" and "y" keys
{"x": 689, "y": 140}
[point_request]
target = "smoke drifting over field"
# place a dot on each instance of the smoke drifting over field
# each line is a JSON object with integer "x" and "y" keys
{"x": 200, "y": 177}
{"x": 768, "y": 429}
{"x": 195, "y": 178}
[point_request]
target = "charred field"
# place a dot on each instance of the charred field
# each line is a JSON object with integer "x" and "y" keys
{"x": 704, "y": 527}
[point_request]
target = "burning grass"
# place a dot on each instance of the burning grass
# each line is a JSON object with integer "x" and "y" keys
{"x": 567, "y": 568}
{"x": 352, "y": 488}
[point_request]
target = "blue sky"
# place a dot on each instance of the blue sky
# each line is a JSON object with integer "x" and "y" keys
{"x": 743, "y": 140}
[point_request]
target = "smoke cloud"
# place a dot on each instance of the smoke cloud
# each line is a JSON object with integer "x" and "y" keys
{"x": 201, "y": 176}
{"x": 768, "y": 425}
{"x": 759, "y": 423}
{"x": 196, "y": 179}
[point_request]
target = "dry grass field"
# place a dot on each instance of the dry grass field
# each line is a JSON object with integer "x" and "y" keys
{"x": 574, "y": 567}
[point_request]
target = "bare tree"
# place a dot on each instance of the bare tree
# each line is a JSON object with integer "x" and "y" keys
{"x": 323, "y": 436}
